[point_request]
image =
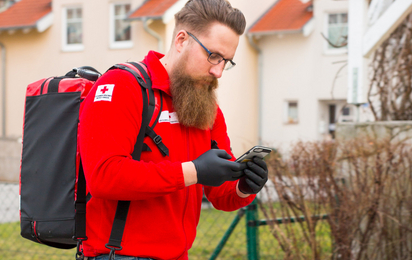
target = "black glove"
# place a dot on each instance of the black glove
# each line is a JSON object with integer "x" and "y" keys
{"x": 213, "y": 168}
{"x": 256, "y": 175}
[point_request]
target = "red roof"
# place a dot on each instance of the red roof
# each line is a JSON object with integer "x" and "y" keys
{"x": 284, "y": 15}
{"x": 152, "y": 9}
{"x": 24, "y": 13}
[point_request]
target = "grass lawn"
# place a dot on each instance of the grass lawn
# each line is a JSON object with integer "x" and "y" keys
{"x": 212, "y": 226}
{"x": 13, "y": 246}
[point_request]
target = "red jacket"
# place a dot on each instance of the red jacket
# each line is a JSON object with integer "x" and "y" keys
{"x": 163, "y": 213}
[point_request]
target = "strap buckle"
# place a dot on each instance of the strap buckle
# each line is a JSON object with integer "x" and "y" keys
{"x": 79, "y": 251}
{"x": 113, "y": 250}
{"x": 157, "y": 139}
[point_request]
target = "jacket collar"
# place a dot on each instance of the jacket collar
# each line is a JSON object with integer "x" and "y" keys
{"x": 158, "y": 73}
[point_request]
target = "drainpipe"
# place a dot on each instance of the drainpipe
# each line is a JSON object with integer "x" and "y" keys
{"x": 154, "y": 34}
{"x": 3, "y": 89}
{"x": 260, "y": 94}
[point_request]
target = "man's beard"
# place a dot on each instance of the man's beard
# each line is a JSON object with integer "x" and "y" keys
{"x": 194, "y": 98}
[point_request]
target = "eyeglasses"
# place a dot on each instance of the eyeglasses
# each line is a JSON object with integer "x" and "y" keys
{"x": 215, "y": 58}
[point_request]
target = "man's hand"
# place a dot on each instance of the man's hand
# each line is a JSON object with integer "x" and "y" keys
{"x": 256, "y": 175}
{"x": 214, "y": 168}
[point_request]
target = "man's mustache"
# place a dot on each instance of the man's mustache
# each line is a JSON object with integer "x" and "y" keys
{"x": 208, "y": 81}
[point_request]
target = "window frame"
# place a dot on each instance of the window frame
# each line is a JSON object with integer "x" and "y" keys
{"x": 112, "y": 19}
{"x": 66, "y": 47}
{"x": 346, "y": 118}
{"x": 286, "y": 118}
{"x": 327, "y": 50}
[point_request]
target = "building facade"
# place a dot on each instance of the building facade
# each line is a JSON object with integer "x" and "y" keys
{"x": 290, "y": 83}
{"x": 303, "y": 76}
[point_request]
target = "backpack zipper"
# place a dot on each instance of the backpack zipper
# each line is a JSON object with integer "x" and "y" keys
{"x": 34, "y": 231}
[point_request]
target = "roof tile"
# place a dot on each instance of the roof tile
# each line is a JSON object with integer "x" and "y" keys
{"x": 284, "y": 15}
{"x": 152, "y": 8}
{"x": 24, "y": 13}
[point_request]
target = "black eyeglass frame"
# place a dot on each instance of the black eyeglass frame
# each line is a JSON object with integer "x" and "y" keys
{"x": 232, "y": 63}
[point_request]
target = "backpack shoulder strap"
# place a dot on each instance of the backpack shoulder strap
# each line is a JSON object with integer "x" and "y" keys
{"x": 149, "y": 86}
{"x": 145, "y": 113}
{"x": 119, "y": 221}
{"x": 157, "y": 139}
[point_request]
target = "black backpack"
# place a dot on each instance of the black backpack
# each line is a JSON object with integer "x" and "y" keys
{"x": 52, "y": 184}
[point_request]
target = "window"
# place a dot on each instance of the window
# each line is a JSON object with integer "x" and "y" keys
{"x": 347, "y": 115}
{"x": 346, "y": 111}
{"x": 291, "y": 112}
{"x": 120, "y": 29}
{"x": 337, "y": 32}
{"x": 332, "y": 120}
{"x": 4, "y": 4}
{"x": 73, "y": 29}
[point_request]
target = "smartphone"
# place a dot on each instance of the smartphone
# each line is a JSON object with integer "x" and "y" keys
{"x": 259, "y": 151}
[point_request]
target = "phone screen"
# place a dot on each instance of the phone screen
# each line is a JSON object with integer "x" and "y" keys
{"x": 259, "y": 151}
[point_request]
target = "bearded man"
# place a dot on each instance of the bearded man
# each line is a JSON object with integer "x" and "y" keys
{"x": 165, "y": 191}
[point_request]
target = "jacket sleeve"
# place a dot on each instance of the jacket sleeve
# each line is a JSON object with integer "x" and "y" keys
{"x": 225, "y": 197}
{"x": 107, "y": 135}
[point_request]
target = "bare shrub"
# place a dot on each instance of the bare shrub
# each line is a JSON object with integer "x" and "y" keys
{"x": 391, "y": 77}
{"x": 365, "y": 188}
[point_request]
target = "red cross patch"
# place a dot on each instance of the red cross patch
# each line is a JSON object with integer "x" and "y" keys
{"x": 104, "y": 93}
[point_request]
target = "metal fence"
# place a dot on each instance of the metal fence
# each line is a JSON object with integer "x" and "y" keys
{"x": 212, "y": 227}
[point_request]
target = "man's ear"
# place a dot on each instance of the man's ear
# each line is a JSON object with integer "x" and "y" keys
{"x": 181, "y": 40}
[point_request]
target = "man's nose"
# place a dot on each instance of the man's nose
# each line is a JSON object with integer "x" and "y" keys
{"x": 217, "y": 70}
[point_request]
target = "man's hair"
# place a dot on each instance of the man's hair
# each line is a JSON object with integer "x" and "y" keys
{"x": 198, "y": 15}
